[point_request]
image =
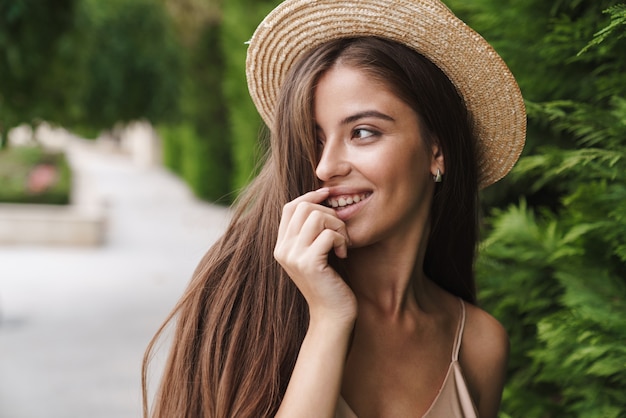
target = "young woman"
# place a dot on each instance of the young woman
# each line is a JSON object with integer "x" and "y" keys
{"x": 344, "y": 285}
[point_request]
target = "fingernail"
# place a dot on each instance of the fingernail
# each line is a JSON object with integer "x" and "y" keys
{"x": 322, "y": 190}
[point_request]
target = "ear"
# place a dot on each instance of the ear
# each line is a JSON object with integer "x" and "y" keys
{"x": 437, "y": 162}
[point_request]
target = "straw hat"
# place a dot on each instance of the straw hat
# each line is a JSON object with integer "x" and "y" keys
{"x": 488, "y": 88}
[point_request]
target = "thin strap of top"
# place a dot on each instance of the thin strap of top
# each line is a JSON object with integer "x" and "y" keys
{"x": 459, "y": 333}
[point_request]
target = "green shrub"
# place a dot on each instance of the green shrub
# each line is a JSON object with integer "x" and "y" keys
{"x": 241, "y": 17}
{"x": 31, "y": 36}
{"x": 552, "y": 267}
{"x": 198, "y": 146}
{"x": 31, "y": 175}
{"x": 171, "y": 145}
{"x": 125, "y": 64}
{"x": 194, "y": 158}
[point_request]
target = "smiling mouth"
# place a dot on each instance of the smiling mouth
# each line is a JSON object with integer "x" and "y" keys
{"x": 347, "y": 200}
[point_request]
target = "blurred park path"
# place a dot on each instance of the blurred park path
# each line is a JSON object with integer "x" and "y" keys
{"x": 74, "y": 322}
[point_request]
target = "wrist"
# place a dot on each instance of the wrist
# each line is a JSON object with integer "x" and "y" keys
{"x": 332, "y": 322}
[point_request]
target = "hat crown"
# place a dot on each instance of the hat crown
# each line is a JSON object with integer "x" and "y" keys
{"x": 488, "y": 88}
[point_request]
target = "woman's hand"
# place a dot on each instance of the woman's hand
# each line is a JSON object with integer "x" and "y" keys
{"x": 308, "y": 232}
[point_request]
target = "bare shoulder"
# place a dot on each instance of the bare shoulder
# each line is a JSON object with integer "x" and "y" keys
{"x": 484, "y": 339}
{"x": 483, "y": 357}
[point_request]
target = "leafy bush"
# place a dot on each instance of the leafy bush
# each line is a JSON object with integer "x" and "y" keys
{"x": 31, "y": 175}
{"x": 241, "y": 17}
{"x": 87, "y": 64}
{"x": 216, "y": 106}
{"x": 552, "y": 266}
{"x": 125, "y": 61}
{"x": 30, "y": 35}
{"x": 198, "y": 146}
{"x": 171, "y": 144}
{"x": 191, "y": 156}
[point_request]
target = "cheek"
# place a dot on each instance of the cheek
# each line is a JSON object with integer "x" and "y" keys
{"x": 402, "y": 165}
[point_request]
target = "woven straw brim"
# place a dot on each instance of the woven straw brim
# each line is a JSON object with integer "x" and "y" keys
{"x": 490, "y": 92}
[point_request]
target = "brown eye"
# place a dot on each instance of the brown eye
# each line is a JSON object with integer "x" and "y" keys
{"x": 362, "y": 133}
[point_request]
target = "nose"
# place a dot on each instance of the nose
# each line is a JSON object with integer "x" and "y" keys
{"x": 333, "y": 161}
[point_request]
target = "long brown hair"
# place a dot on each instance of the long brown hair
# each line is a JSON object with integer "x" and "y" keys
{"x": 241, "y": 321}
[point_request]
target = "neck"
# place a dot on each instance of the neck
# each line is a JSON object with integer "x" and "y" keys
{"x": 389, "y": 277}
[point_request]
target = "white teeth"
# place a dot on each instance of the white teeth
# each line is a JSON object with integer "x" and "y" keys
{"x": 345, "y": 201}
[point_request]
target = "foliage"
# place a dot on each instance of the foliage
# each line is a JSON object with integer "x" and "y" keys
{"x": 241, "y": 17}
{"x": 128, "y": 63}
{"x": 618, "y": 18}
{"x": 198, "y": 144}
{"x": 171, "y": 144}
{"x": 552, "y": 267}
{"x": 191, "y": 156}
{"x": 32, "y": 175}
{"x": 30, "y": 31}
{"x": 213, "y": 153}
{"x": 90, "y": 65}
{"x": 541, "y": 41}
{"x": 87, "y": 64}
{"x": 191, "y": 17}
{"x": 219, "y": 127}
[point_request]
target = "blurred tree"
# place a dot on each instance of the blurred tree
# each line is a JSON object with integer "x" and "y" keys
{"x": 191, "y": 17}
{"x": 207, "y": 109}
{"x": 130, "y": 63}
{"x": 91, "y": 65}
{"x": 241, "y": 17}
{"x": 87, "y": 63}
{"x": 30, "y": 31}
{"x": 198, "y": 145}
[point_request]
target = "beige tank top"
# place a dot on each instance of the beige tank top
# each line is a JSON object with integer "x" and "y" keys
{"x": 453, "y": 399}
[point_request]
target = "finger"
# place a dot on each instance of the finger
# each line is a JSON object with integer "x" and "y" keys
{"x": 329, "y": 240}
{"x": 316, "y": 222}
{"x": 316, "y": 197}
{"x": 303, "y": 213}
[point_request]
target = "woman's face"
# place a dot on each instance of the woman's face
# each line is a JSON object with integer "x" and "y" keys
{"x": 373, "y": 158}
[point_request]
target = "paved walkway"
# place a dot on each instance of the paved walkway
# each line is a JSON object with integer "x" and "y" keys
{"x": 75, "y": 321}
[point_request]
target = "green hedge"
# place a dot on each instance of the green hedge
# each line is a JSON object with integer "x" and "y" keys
{"x": 241, "y": 17}
{"x": 194, "y": 158}
{"x": 20, "y": 165}
{"x": 552, "y": 266}
{"x": 215, "y": 146}
{"x": 199, "y": 145}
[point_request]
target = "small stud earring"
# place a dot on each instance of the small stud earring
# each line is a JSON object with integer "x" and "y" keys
{"x": 437, "y": 177}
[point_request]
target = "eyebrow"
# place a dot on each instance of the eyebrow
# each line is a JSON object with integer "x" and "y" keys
{"x": 366, "y": 114}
